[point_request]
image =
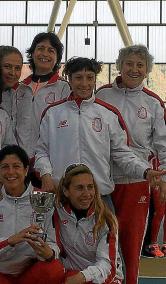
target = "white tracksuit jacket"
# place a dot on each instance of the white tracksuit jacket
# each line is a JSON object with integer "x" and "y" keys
{"x": 144, "y": 115}
{"x": 92, "y": 134}
{"x": 30, "y": 106}
{"x": 97, "y": 259}
{"x": 15, "y": 215}
{"x": 6, "y": 130}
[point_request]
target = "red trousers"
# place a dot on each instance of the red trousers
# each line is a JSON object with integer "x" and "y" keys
{"x": 159, "y": 213}
{"x": 40, "y": 272}
{"x": 131, "y": 202}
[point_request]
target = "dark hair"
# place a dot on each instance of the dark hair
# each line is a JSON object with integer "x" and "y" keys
{"x": 15, "y": 150}
{"x": 75, "y": 64}
{"x": 4, "y": 51}
{"x": 54, "y": 41}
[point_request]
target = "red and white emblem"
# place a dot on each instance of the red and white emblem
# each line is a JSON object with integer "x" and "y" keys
{"x": 142, "y": 112}
{"x": 97, "y": 124}
{"x": 89, "y": 239}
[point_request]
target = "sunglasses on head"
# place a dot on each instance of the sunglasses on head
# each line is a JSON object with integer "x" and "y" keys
{"x": 73, "y": 166}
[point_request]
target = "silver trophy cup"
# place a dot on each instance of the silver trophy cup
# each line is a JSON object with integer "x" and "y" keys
{"x": 41, "y": 203}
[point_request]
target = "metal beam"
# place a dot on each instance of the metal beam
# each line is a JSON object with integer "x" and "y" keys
{"x": 54, "y": 15}
{"x": 66, "y": 18}
{"x": 120, "y": 21}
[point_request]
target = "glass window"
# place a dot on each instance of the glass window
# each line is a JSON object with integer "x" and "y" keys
{"x": 76, "y": 43}
{"x": 12, "y": 12}
{"x": 23, "y": 37}
{"x": 108, "y": 44}
{"x": 157, "y": 43}
{"x": 103, "y": 77}
{"x": 138, "y": 11}
{"x": 157, "y": 79}
{"x": 138, "y": 34}
{"x": 44, "y": 9}
{"x": 5, "y": 35}
{"x": 164, "y": 12}
{"x": 83, "y": 12}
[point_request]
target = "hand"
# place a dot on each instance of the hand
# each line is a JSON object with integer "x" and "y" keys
{"x": 23, "y": 235}
{"x": 154, "y": 177}
{"x": 48, "y": 183}
{"x": 40, "y": 247}
{"x": 162, "y": 189}
{"x": 78, "y": 278}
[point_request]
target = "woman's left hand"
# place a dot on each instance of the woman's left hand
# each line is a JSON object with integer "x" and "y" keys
{"x": 41, "y": 248}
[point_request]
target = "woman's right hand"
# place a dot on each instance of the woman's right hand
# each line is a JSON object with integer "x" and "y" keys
{"x": 48, "y": 183}
{"x": 23, "y": 235}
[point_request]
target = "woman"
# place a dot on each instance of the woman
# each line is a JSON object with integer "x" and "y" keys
{"x": 24, "y": 257}
{"x": 143, "y": 112}
{"x": 11, "y": 62}
{"x": 40, "y": 89}
{"x": 86, "y": 230}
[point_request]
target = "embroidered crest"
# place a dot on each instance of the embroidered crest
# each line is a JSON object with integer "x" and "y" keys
{"x": 142, "y": 112}
{"x": 89, "y": 240}
{"x": 64, "y": 222}
{"x": 63, "y": 123}
{"x": 50, "y": 98}
{"x": 97, "y": 124}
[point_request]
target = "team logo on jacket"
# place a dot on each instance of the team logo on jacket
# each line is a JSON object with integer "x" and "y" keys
{"x": 97, "y": 124}
{"x": 142, "y": 112}
{"x": 89, "y": 240}
{"x": 63, "y": 123}
{"x": 50, "y": 98}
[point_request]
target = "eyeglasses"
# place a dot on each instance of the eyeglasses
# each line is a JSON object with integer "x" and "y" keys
{"x": 73, "y": 166}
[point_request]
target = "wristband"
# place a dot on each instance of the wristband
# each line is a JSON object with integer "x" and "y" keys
{"x": 52, "y": 257}
{"x": 146, "y": 172}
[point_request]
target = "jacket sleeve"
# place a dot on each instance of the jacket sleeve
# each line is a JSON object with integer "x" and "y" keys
{"x": 159, "y": 134}
{"x": 42, "y": 161}
{"x": 106, "y": 260}
{"x": 7, "y": 131}
{"x": 121, "y": 153}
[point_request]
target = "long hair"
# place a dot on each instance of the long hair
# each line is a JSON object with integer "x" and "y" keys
{"x": 103, "y": 214}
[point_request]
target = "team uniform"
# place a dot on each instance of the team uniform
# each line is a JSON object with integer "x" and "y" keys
{"x": 6, "y": 130}
{"x": 33, "y": 96}
{"x": 96, "y": 259}
{"x": 144, "y": 114}
{"x": 9, "y": 104}
{"x": 92, "y": 133}
{"x": 16, "y": 214}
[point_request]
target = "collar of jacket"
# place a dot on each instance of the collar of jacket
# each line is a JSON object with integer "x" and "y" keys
{"x": 69, "y": 210}
{"x": 118, "y": 80}
{"x": 49, "y": 78}
{"x": 23, "y": 196}
{"x": 80, "y": 101}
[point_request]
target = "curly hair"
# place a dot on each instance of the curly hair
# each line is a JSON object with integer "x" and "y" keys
{"x": 138, "y": 49}
{"x": 75, "y": 64}
{"x": 54, "y": 41}
{"x": 103, "y": 214}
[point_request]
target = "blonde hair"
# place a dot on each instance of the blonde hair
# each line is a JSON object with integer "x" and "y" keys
{"x": 103, "y": 214}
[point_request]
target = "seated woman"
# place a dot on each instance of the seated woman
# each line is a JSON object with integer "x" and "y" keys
{"x": 24, "y": 257}
{"x": 86, "y": 230}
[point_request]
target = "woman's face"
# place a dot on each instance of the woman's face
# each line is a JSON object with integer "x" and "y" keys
{"x": 11, "y": 69}
{"x": 81, "y": 191}
{"x": 82, "y": 83}
{"x": 12, "y": 175}
{"x": 133, "y": 71}
{"x": 44, "y": 57}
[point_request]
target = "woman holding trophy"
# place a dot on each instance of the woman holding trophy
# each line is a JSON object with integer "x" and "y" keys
{"x": 24, "y": 257}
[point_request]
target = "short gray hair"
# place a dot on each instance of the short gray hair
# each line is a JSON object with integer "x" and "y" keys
{"x": 135, "y": 49}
